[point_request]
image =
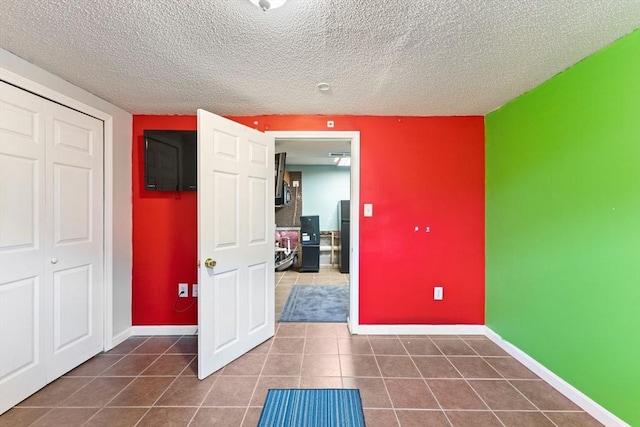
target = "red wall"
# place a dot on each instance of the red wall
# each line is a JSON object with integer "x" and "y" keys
{"x": 164, "y": 238}
{"x": 417, "y": 171}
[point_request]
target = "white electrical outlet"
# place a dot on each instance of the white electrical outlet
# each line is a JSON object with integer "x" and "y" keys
{"x": 194, "y": 290}
{"x": 437, "y": 293}
{"x": 183, "y": 290}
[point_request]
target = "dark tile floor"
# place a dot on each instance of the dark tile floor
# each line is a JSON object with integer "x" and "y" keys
{"x": 403, "y": 381}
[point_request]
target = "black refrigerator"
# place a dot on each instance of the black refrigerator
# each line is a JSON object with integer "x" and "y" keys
{"x": 343, "y": 218}
{"x": 310, "y": 236}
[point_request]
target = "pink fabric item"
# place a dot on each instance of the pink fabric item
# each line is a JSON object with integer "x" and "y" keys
{"x": 282, "y": 235}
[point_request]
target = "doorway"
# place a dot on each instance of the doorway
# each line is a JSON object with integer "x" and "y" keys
{"x": 353, "y": 138}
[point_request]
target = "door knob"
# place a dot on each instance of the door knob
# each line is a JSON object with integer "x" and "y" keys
{"x": 54, "y": 260}
{"x": 209, "y": 263}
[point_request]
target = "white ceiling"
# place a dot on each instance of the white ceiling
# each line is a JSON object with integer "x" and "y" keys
{"x": 313, "y": 151}
{"x": 394, "y": 57}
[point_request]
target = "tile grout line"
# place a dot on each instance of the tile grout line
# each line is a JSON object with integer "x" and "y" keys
{"x": 466, "y": 380}
{"x": 43, "y": 415}
{"x": 508, "y": 382}
{"x": 178, "y": 376}
{"x": 384, "y": 383}
{"x": 255, "y": 388}
{"x": 129, "y": 383}
{"x": 304, "y": 347}
{"x": 424, "y": 380}
{"x": 168, "y": 386}
{"x": 340, "y": 364}
{"x": 530, "y": 401}
{"x": 51, "y": 408}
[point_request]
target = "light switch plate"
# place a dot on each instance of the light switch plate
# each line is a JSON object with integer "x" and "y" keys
{"x": 368, "y": 209}
{"x": 437, "y": 293}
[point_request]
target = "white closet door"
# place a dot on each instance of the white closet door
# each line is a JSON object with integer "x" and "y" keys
{"x": 74, "y": 237}
{"x": 22, "y": 245}
{"x": 51, "y": 241}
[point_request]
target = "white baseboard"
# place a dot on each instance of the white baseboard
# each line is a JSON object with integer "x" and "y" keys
{"x": 121, "y": 337}
{"x": 572, "y": 393}
{"x": 165, "y": 330}
{"x": 418, "y": 329}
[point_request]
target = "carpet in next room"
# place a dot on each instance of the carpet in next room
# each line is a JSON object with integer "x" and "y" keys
{"x": 317, "y": 303}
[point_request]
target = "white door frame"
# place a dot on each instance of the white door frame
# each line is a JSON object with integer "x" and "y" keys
{"x": 48, "y": 93}
{"x": 354, "y": 225}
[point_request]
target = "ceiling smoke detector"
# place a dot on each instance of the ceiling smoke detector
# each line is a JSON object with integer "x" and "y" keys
{"x": 268, "y": 4}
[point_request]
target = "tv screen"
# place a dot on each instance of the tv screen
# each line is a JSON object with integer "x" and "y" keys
{"x": 170, "y": 160}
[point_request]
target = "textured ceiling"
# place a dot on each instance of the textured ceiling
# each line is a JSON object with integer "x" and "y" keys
{"x": 395, "y": 57}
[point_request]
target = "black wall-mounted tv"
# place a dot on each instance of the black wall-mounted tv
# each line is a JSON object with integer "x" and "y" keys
{"x": 170, "y": 162}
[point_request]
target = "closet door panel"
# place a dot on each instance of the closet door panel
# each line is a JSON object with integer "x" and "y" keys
{"x": 22, "y": 245}
{"x": 75, "y": 239}
{"x": 72, "y": 194}
{"x": 72, "y": 290}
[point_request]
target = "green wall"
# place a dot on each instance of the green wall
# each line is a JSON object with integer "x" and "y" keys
{"x": 563, "y": 225}
{"x": 322, "y": 188}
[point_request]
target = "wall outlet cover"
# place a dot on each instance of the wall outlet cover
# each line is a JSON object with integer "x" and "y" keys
{"x": 183, "y": 290}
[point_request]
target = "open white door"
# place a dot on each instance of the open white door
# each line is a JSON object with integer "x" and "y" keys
{"x": 236, "y": 309}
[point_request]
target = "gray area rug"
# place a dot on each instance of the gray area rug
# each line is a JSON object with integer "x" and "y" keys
{"x": 317, "y": 303}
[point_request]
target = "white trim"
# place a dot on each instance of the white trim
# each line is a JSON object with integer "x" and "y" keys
{"x": 572, "y": 393}
{"x": 107, "y": 279}
{"x": 354, "y": 235}
{"x": 164, "y": 330}
{"x": 420, "y": 330}
{"x": 121, "y": 337}
{"x": 354, "y": 232}
{"x": 53, "y": 95}
{"x": 109, "y": 340}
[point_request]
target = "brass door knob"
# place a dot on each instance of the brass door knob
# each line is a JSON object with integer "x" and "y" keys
{"x": 209, "y": 263}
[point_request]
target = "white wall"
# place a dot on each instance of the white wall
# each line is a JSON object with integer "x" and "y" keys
{"x": 118, "y": 131}
{"x": 322, "y": 188}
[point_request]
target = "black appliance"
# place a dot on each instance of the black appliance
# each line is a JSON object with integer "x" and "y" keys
{"x": 310, "y": 240}
{"x": 343, "y": 218}
{"x": 170, "y": 160}
{"x": 282, "y": 190}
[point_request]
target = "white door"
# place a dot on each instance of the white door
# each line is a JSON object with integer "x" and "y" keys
{"x": 74, "y": 238}
{"x": 236, "y": 309}
{"x": 50, "y": 242}
{"x": 22, "y": 245}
